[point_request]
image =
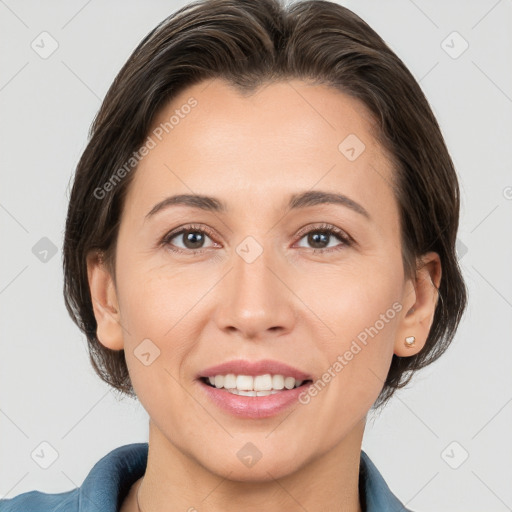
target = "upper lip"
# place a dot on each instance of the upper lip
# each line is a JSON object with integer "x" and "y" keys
{"x": 262, "y": 367}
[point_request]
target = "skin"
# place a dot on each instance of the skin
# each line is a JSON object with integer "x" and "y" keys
{"x": 289, "y": 304}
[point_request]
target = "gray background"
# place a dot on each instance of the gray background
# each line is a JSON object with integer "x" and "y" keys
{"x": 49, "y": 392}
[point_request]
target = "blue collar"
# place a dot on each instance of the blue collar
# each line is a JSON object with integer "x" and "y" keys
{"x": 109, "y": 481}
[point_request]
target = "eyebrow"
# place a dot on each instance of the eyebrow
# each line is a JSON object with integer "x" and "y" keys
{"x": 297, "y": 201}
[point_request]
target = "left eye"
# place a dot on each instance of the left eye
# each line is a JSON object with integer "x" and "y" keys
{"x": 321, "y": 236}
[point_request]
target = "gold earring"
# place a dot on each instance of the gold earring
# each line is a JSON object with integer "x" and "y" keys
{"x": 410, "y": 341}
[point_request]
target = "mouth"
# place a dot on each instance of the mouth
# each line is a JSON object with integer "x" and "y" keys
{"x": 242, "y": 396}
{"x": 254, "y": 386}
{"x": 253, "y": 389}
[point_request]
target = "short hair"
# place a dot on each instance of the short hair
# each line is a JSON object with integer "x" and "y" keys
{"x": 250, "y": 43}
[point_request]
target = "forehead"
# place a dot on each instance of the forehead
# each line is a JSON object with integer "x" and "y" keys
{"x": 260, "y": 148}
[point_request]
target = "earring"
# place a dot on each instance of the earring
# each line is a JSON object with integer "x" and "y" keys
{"x": 410, "y": 341}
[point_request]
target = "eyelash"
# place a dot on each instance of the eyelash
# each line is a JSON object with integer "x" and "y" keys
{"x": 328, "y": 229}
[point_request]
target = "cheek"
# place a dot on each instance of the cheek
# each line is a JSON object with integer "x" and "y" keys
{"x": 363, "y": 315}
{"x": 158, "y": 336}
{"x": 354, "y": 297}
{"x": 153, "y": 299}
{"x": 361, "y": 308}
{"x": 154, "y": 305}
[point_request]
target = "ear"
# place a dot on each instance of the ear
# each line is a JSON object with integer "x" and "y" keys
{"x": 419, "y": 301}
{"x": 104, "y": 302}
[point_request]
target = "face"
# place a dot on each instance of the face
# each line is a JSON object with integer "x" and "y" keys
{"x": 315, "y": 285}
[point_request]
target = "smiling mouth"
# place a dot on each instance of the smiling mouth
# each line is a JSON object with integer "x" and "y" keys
{"x": 270, "y": 390}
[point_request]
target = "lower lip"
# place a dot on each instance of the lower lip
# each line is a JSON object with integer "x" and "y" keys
{"x": 253, "y": 407}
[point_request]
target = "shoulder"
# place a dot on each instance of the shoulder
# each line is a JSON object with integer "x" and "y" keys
{"x": 374, "y": 491}
{"x": 36, "y": 501}
{"x": 105, "y": 486}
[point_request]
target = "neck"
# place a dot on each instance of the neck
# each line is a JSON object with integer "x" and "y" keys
{"x": 176, "y": 481}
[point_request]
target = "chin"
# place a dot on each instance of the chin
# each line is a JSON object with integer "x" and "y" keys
{"x": 245, "y": 462}
{"x": 262, "y": 471}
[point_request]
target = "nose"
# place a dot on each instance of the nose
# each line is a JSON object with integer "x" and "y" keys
{"x": 254, "y": 300}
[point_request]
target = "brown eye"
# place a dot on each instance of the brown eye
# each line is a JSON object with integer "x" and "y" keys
{"x": 192, "y": 239}
{"x": 189, "y": 239}
{"x": 319, "y": 239}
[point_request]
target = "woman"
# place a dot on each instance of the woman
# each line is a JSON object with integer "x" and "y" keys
{"x": 260, "y": 246}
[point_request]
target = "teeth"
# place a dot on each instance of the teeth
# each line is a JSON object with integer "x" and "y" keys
{"x": 244, "y": 382}
{"x": 277, "y": 381}
{"x": 289, "y": 383}
{"x": 247, "y": 385}
{"x": 263, "y": 382}
{"x": 230, "y": 381}
{"x": 252, "y": 393}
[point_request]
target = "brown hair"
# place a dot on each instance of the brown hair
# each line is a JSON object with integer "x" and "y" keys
{"x": 250, "y": 43}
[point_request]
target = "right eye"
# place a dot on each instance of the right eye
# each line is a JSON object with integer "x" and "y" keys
{"x": 192, "y": 237}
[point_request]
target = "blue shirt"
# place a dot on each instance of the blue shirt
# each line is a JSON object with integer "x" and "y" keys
{"x": 109, "y": 482}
